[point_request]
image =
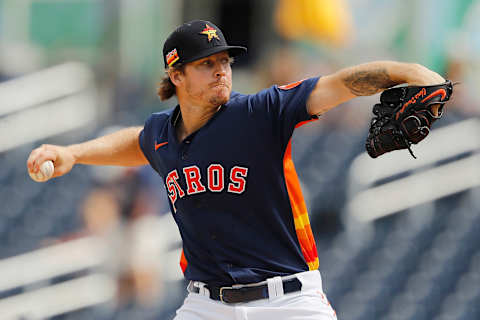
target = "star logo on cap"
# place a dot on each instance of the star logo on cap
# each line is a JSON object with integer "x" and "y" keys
{"x": 210, "y": 33}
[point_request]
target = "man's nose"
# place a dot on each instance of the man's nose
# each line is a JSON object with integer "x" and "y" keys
{"x": 220, "y": 70}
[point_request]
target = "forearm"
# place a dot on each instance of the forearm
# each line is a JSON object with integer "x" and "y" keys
{"x": 365, "y": 80}
{"x": 371, "y": 78}
{"x": 121, "y": 148}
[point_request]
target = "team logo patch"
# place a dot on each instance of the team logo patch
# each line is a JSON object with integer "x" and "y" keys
{"x": 290, "y": 85}
{"x": 210, "y": 33}
{"x": 172, "y": 57}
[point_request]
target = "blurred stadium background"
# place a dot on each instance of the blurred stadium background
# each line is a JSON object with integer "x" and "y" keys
{"x": 398, "y": 238}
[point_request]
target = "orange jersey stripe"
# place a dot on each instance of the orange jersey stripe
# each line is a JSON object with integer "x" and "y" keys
{"x": 183, "y": 262}
{"x": 305, "y": 236}
{"x": 299, "y": 208}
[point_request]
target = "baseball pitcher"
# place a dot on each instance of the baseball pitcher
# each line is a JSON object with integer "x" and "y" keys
{"x": 225, "y": 160}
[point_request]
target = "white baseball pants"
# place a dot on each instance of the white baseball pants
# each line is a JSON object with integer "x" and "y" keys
{"x": 310, "y": 303}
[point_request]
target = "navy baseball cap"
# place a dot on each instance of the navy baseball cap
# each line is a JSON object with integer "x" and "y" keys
{"x": 195, "y": 40}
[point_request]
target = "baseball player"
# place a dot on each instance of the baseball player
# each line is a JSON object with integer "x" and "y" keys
{"x": 225, "y": 159}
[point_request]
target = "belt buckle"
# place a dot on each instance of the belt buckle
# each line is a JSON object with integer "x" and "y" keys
{"x": 220, "y": 295}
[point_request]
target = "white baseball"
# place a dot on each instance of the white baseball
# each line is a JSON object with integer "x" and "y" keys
{"x": 45, "y": 172}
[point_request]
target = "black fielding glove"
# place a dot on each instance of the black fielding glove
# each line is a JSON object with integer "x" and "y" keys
{"x": 404, "y": 117}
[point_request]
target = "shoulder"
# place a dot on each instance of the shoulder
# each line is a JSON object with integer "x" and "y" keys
{"x": 296, "y": 93}
{"x": 159, "y": 118}
{"x": 302, "y": 85}
{"x": 298, "y": 88}
{"x": 164, "y": 114}
{"x": 236, "y": 98}
{"x": 249, "y": 102}
{"x": 240, "y": 98}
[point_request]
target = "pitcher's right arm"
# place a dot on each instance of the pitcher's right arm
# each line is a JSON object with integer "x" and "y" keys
{"x": 120, "y": 148}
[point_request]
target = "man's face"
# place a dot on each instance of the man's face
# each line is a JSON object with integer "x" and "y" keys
{"x": 208, "y": 81}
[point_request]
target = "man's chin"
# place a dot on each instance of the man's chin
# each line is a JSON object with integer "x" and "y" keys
{"x": 218, "y": 101}
{"x": 221, "y": 98}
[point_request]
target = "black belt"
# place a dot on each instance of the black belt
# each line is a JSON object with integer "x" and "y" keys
{"x": 246, "y": 294}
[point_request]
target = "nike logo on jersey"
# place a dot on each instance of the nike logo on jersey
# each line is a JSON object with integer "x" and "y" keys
{"x": 158, "y": 145}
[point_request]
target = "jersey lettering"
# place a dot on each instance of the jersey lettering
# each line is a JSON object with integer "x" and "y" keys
{"x": 216, "y": 179}
{"x": 192, "y": 176}
{"x": 237, "y": 178}
{"x": 237, "y": 182}
{"x": 173, "y": 187}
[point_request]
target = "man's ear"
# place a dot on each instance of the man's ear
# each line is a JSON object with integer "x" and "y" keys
{"x": 176, "y": 76}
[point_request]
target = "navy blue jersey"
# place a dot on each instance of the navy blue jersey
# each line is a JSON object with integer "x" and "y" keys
{"x": 233, "y": 189}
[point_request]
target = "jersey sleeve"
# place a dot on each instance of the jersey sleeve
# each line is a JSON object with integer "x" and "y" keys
{"x": 285, "y": 106}
{"x": 146, "y": 141}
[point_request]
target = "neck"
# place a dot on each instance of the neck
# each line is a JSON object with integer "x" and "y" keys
{"x": 192, "y": 118}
